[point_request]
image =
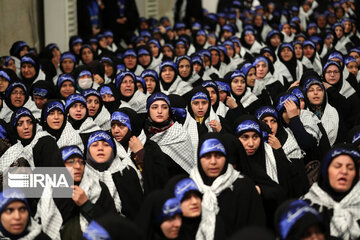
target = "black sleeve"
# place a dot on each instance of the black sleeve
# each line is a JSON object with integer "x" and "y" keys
{"x": 226, "y": 128}
{"x": 233, "y": 114}
{"x": 282, "y": 167}
{"x": 130, "y": 192}
{"x": 104, "y": 204}
{"x": 305, "y": 140}
{"x": 338, "y": 101}
{"x": 46, "y": 153}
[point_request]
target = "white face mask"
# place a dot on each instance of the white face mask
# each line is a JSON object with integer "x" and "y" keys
{"x": 85, "y": 83}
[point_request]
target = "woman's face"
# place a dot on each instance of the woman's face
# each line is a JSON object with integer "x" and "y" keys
{"x": 211, "y": 40}
{"x": 67, "y": 65}
{"x": 87, "y": 55}
{"x": 222, "y": 96}
{"x": 154, "y": 50}
{"x": 213, "y": 163}
{"x": 66, "y": 89}
{"x": 15, "y": 217}
{"x": 130, "y": 62}
{"x": 196, "y": 67}
{"x": 201, "y": 39}
{"x": 144, "y": 60}
{"x": 315, "y": 94}
{"x": 215, "y": 58}
{"x": 171, "y": 227}
{"x": 55, "y": 119}
{"x": 199, "y": 107}
{"x": 180, "y": 50}
{"x": 140, "y": 87}
{"x": 168, "y": 74}
{"x": 127, "y": 86}
{"x": 347, "y": 26}
{"x": 332, "y": 74}
{"x": 93, "y": 105}
{"x": 261, "y": 69}
{"x": 17, "y": 97}
{"x": 150, "y": 84}
{"x": 184, "y": 68}
{"x": 28, "y": 70}
{"x": 191, "y": 205}
{"x": 11, "y": 65}
{"x": 100, "y": 151}
{"x": 352, "y": 67}
{"x": 341, "y": 173}
{"x": 308, "y": 51}
{"x": 272, "y": 123}
{"x": 298, "y": 51}
{"x": 356, "y": 56}
{"x": 286, "y": 29}
{"x": 258, "y": 21}
{"x": 339, "y": 32}
{"x": 238, "y": 86}
{"x": 251, "y": 77}
{"x": 76, "y": 167}
{"x": 77, "y": 111}
{"x": 76, "y": 48}
{"x": 109, "y": 70}
{"x": 251, "y": 142}
{"x": 4, "y": 83}
{"x": 118, "y": 130}
{"x": 229, "y": 51}
{"x": 24, "y": 127}
{"x": 249, "y": 39}
{"x": 167, "y": 52}
{"x": 108, "y": 98}
{"x": 213, "y": 96}
{"x": 286, "y": 54}
{"x": 159, "y": 111}
{"x": 275, "y": 41}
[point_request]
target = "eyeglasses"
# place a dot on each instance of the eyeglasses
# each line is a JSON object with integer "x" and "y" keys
{"x": 73, "y": 161}
{"x": 22, "y": 93}
{"x": 332, "y": 72}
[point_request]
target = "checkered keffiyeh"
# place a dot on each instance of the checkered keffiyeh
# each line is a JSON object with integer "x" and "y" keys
{"x": 137, "y": 102}
{"x": 222, "y": 109}
{"x": 17, "y": 151}
{"x": 291, "y": 147}
{"x": 343, "y": 223}
{"x": 92, "y": 189}
{"x": 88, "y": 126}
{"x": 346, "y": 89}
{"x": 310, "y": 122}
{"x": 190, "y": 126}
{"x": 70, "y": 137}
{"x": 49, "y": 215}
{"x": 248, "y": 98}
{"x": 176, "y": 143}
{"x": 103, "y": 119}
{"x": 330, "y": 122}
{"x": 178, "y": 87}
{"x": 106, "y": 177}
{"x": 270, "y": 163}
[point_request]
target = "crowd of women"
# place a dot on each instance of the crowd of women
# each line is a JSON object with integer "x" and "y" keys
{"x": 244, "y": 126}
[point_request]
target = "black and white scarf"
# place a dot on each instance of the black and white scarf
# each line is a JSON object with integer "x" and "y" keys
{"x": 209, "y": 201}
{"x": 176, "y": 143}
{"x": 190, "y": 126}
{"x": 137, "y": 102}
{"x": 103, "y": 119}
{"x": 343, "y": 224}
